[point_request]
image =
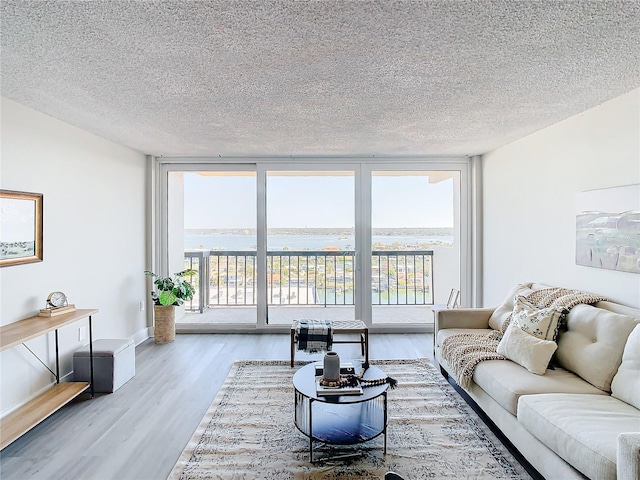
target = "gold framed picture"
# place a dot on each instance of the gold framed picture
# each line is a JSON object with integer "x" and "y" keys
{"x": 20, "y": 227}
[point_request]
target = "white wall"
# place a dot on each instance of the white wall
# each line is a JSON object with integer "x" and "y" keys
{"x": 94, "y": 240}
{"x": 530, "y": 189}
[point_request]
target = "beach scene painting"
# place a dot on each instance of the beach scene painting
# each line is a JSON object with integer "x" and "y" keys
{"x": 608, "y": 228}
{"x": 20, "y": 227}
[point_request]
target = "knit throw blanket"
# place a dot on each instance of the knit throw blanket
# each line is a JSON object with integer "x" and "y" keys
{"x": 463, "y": 351}
{"x": 314, "y": 335}
{"x": 560, "y": 299}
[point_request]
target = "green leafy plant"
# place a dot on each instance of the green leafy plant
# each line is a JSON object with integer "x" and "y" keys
{"x": 173, "y": 290}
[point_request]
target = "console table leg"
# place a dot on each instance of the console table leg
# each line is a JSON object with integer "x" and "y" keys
{"x": 57, "y": 359}
{"x": 91, "y": 355}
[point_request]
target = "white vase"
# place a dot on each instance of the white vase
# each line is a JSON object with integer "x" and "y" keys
{"x": 331, "y": 368}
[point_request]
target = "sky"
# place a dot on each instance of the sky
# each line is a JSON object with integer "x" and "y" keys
{"x": 315, "y": 202}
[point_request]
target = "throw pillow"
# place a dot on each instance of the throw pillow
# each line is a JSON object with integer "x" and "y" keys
{"x": 503, "y": 312}
{"x": 593, "y": 345}
{"x": 626, "y": 383}
{"x": 526, "y": 350}
{"x": 539, "y": 322}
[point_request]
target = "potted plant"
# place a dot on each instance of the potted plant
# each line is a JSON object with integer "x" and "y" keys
{"x": 169, "y": 292}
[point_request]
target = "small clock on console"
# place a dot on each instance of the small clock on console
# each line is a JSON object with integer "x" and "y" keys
{"x": 57, "y": 300}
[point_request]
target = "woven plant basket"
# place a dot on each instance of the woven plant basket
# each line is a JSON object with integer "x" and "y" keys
{"x": 164, "y": 330}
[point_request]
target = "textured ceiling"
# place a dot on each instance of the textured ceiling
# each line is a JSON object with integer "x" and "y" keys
{"x": 297, "y": 77}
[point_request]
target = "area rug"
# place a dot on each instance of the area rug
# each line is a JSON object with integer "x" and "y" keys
{"x": 249, "y": 433}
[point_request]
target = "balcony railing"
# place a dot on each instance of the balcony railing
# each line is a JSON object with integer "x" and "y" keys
{"x": 320, "y": 278}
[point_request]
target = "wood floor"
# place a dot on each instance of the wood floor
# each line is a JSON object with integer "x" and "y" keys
{"x": 138, "y": 432}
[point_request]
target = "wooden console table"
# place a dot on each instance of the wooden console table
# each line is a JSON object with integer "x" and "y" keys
{"x": 20, "y": 421}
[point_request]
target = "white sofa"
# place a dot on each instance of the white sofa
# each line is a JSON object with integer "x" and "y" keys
{"x": 578, "y": 420}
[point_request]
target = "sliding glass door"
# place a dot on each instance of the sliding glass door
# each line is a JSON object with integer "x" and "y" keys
{"x": 310, "y": 224}
{"x": 212, "y": 230}
{"x": 414, "y": 231}
{"x": 372, "y": 240}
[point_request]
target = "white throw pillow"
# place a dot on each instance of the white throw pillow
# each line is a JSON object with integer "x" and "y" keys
{"x": 539, "y": 322}
{"x": 626, "y": 383}
{"x": 526, "y": 350}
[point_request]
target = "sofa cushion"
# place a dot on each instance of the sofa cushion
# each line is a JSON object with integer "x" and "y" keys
{"x": 593, "y": 343}
{"x": 503, "y": 311}
{"x": 626, "y": 383}
{"x": 531, "y": 352}
{"x": 628, "y": 456}
{"x": 539, "y": 322}
{"x": 506, "y": 382}
{"x": 582, "y": 429}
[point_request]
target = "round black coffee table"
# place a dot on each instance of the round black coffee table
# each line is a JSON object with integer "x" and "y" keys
{"x": 340, "y": 420}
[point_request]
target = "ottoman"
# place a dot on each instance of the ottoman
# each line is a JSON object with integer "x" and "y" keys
{"x": 114, "y": 364}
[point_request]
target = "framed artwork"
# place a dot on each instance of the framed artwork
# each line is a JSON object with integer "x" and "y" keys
{"x": 20, "y": 228}
{"x": 608, "y": 228}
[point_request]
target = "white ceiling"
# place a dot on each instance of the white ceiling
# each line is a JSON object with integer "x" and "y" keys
{"x": 293, "y": 77}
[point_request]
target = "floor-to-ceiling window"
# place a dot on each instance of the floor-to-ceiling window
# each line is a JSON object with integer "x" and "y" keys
{"x": 414, "y": 235}
{"x": 377, "y": 240}
{"x": 310, "y": 219}
{"x": 212, "y": 224}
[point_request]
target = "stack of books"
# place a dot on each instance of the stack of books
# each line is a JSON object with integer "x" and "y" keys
{"x": 345, "y": 369}
{"x": 324, "y": 391}
{"x": 53, "y": 312}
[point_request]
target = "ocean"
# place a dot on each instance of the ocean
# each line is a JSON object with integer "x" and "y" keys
{"x": 220, "y": 241}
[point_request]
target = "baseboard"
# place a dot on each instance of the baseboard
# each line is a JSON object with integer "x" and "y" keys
{"x": 35, "y": 395}
{"x": 142, "y": 335}
{"x": 535, "y": 475}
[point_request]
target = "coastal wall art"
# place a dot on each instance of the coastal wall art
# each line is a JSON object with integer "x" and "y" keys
{"x": 608, "y": 228}
{"x": 20, "y": 228}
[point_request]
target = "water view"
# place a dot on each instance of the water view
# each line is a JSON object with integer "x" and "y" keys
{"x": 300, "y": 239}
